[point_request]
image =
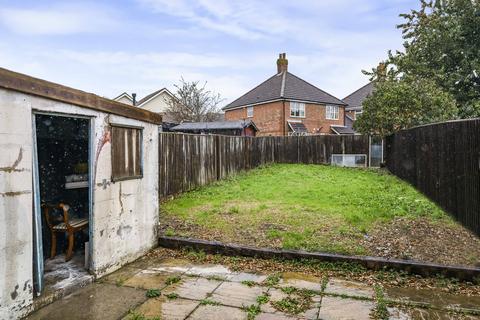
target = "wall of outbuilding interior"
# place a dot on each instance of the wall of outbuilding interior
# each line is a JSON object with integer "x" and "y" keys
{"x": 125, "y": 214}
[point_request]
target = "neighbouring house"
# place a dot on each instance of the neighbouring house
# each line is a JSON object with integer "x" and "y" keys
{"x": 230, "y": 128}
{"x": 157, "y": 101}
{"x": 285, "y": 104}
{"x": 355, "y": 103}
{"x": 78, "y": 174}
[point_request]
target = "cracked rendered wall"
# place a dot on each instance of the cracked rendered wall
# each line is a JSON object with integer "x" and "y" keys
{"x": 125, "y": 213}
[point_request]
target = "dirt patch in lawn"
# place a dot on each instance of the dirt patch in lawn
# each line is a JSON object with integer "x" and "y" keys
{"x": 402, "y": 238}
{"x": 420, "y": 239}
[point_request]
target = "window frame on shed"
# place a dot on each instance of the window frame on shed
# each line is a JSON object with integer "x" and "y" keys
{"x": 136, "y": 174}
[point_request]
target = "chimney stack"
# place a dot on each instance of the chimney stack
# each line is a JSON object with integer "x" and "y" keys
{"x": 134, "y": 99}
{"x": 282, "y": 63}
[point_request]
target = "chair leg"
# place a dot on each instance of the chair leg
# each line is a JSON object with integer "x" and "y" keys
{"x": 70, "y": 247}
{"x": 53, "y": 250}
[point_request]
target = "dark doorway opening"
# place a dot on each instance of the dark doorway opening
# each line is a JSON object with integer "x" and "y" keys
{"x": 63, "y": 164}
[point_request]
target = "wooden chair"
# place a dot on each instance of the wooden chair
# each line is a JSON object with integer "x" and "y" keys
{"x": 69, "y": 226}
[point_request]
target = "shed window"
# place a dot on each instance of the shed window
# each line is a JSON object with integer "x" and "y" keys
{"x": 249, "y": 112}
{"x": 332, "y": 112}
{"x": 297, "y": 109}
{"x": 126, "y": 153}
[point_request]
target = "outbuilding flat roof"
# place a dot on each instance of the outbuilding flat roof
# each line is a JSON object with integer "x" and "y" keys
{"x": 26, "y": 84}
{"x": 215, "y": 125}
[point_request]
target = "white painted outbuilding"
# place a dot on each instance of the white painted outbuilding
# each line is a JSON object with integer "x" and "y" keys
{"x": 119, "y": 166}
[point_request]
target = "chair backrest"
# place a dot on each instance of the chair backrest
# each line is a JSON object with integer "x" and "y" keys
{"x": 48, "y": 209}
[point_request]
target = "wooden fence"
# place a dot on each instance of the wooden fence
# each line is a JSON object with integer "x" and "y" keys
{"x": 442, "y": 161}
{"x": 187, "y": 161}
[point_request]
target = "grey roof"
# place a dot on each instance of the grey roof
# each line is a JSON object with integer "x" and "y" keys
{"x": 342, "y": 130}
{"x": 348, "y": 121}
{"x": 284, "y": 85}
{"x": 215, "y": 125}
{"x": 356, "y": 98}
{"x": 297, "y": 126}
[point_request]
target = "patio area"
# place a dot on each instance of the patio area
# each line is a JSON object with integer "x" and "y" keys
{"x": 161, "y": 287}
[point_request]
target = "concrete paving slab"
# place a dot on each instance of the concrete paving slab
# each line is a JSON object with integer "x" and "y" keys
{"x": 193, "y": 288}
{"x": 243, "y": 276}
{"x": 335, "y": 308}
{"x": 211, "y": 270}
{"x": 433, "y": 298}
{"x": 426, "y": 314}
{"x": 166, "y": 309}
{"x": 148, "y": 279}
{"x": 218, "y": 313}
{"x": 236, "y": 294}
{"x": 300, "y": 281}
{"x": 120, "y": 276}
{"x": 277, "y": 295}
{"x": 97, "y": 301}
{"x": 350, "y": 288}
{"x": 271, "y": 316}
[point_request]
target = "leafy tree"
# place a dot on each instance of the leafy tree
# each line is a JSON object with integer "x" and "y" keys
{"x": 442, "y": 52}
{"x": 193, "y": 103}
{"x": 404, "y": 103}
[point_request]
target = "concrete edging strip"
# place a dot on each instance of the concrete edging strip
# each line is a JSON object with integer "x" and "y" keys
{"x": 374, "y": 263}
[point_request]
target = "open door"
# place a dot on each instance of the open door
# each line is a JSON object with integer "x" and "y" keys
{"x": 62, "y": 174}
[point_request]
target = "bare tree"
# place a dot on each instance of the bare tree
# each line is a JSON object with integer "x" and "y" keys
{"x": 193, "y": 103}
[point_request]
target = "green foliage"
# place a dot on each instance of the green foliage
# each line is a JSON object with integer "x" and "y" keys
{"x": 292, "y": 305}
{"x": 248, "y": 283}
{"x": 252, "y": 311}
{"x": 133, "y": 315}
{"x": 172, "y": 280}
{"x": 380, "y": 311}
{"x": 172, "y": 296}
{"x": 442, "y": 45}
{"x": 402, "y": 104}
{"x": 264, "y": 298}
{"x": 153, "y": 293}
{"x": 272, "y": 280}
{"x": 209, "y": 302}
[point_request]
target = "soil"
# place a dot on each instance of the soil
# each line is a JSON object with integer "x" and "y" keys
{"x": 419, "y": 239}
{"x": 423, "y": 240}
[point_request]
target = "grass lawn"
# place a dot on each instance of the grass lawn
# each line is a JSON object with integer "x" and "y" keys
{"x": 321, "y": 208}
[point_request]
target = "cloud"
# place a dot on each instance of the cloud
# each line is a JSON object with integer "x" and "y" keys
{"x": 61, "y": 19}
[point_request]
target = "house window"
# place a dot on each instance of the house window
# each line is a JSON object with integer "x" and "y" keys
{"x": 249, "y": 112}
{"x": 332, "y": 112}
{"x": 297, "y": 109}
{"x": 357, "y": 114}
{"x": 126, "y": 153}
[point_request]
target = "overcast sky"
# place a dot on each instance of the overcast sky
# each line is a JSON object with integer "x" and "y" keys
{"x": 108, "y": 47}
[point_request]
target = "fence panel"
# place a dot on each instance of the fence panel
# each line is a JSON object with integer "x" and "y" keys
{"x": 443, "y": 162}
{"x": 187, "y": 161}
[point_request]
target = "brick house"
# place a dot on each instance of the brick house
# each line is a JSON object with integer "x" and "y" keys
{"x": 284, "y": 105}
{"x": 355, "y": 103}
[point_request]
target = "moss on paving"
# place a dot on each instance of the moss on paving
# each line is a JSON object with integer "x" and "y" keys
{"x": 294, "y": 206}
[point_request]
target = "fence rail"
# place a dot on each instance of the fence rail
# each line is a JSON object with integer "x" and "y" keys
{"x": 443, "y": 162}
{"x": 187, "y": 161}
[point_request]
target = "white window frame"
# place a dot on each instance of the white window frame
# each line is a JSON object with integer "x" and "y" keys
{"x": 346, "y": 163}
{"x": 250, "y": 112}
{"x": 297, "y": 107}
{"x": 332, "y": 112}
{"x": 358, "y": 113}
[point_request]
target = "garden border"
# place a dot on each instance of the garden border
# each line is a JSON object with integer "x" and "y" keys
{"x": 374, "y": 263}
